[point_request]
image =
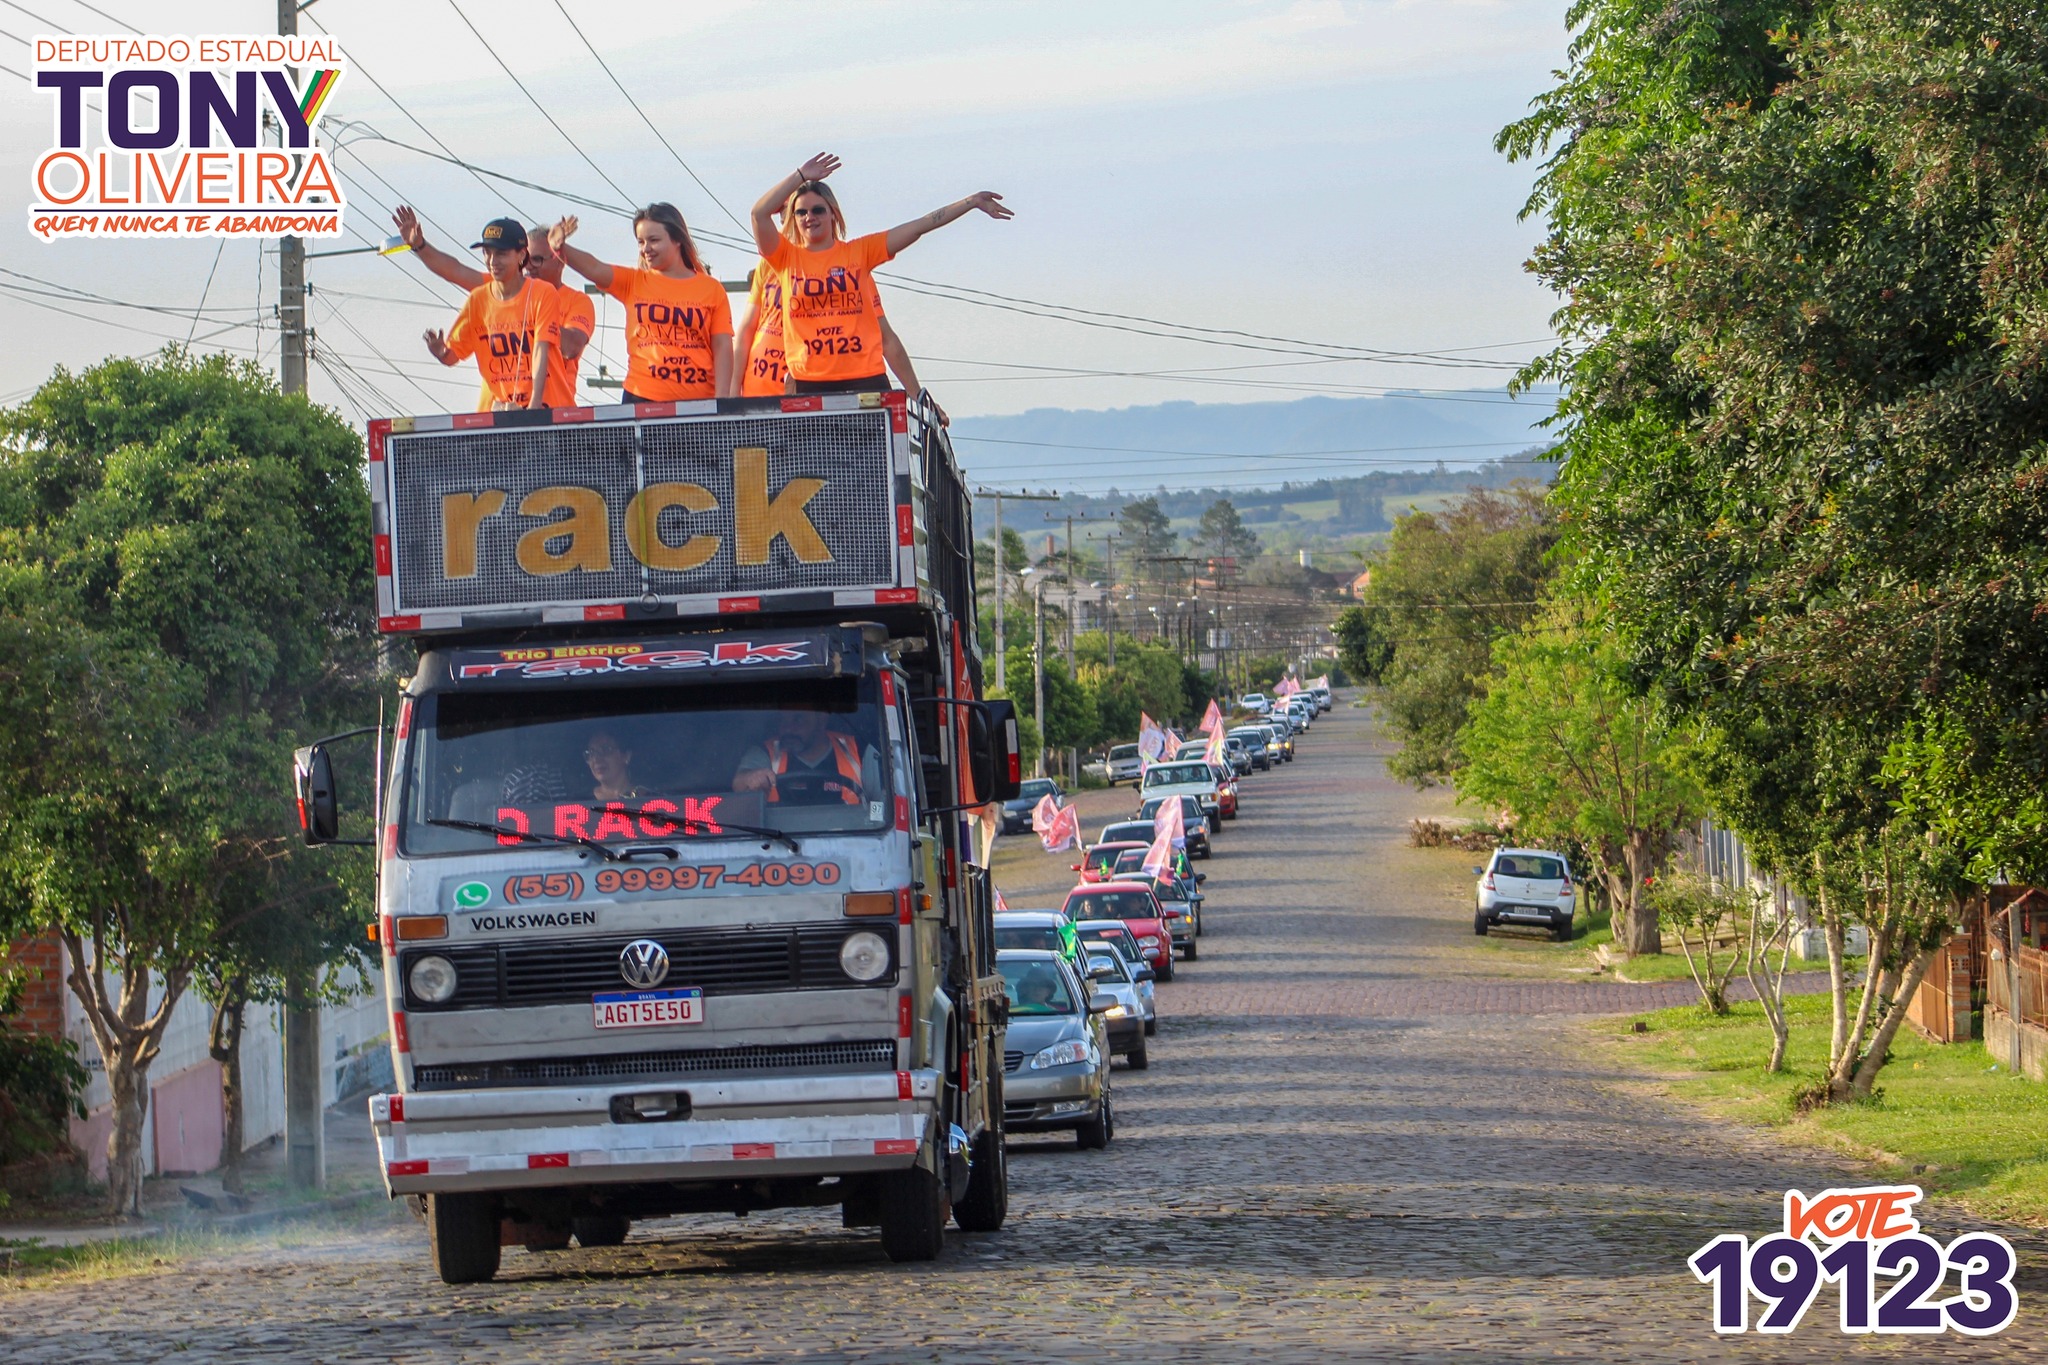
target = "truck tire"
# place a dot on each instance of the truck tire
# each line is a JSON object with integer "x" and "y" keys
{"x": 1094, "y": 1135}
{"x": 462, "y": 1230}
{"x": 913, "y": 1215}
{"x": 601, "y": 1229}
{"x": 987, "y": 1201}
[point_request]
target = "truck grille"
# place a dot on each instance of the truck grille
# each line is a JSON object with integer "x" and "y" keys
{"x": 874, "y": 1055}
{"x": 720, "y": 962}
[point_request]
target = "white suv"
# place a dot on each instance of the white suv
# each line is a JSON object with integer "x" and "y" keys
{"x": 1192, "y": 778}
{"x": 1531, "y": 886}
{"x": 1255, "y": 702}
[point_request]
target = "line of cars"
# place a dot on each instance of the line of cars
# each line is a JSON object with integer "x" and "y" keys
{"x": 1082, "y": 978}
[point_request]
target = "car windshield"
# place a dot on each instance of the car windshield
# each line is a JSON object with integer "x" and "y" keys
{"x": 1035, "y": 788}
{"x": 1190, "y": 808}
{"x": 1041, "y": 936}
{"x": 1123, "y": 751}
{"x": 1125, "y": 905}
{"x": 620, "y": 764}
{"x": 1114, "y": 961}
{"x": 1036, "y": 987}
{"x": 1528, "y": 865}
{"x": 1118, "y": 938}
{"x": 1127, "y": 831}
{"x": 1175, "y": 774}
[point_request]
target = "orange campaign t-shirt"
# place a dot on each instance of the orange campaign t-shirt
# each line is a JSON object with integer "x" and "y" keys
{"x": 669, "y": 326}
{"x": 503, "y": 333}
{"x": 831, "y": 314}
{"x": 573, "y": 310}
{"x": 764, "y": 372}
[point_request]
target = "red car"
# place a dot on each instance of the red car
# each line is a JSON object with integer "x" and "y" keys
{"x": 1098, "y": 864}
{"x": 1135, "y": 905}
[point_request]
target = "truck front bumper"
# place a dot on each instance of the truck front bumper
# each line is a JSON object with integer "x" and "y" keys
{"x": 540, "y": 1137}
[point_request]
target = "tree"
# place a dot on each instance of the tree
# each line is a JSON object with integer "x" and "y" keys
{"x": 1147, "y": 531}
{"x": 1448, "y": 584}
{"x": 185, "y": 565}
{"x": 1561, "y": 743}
{"x": 1362, "y": 644}
{"x": 1806, "y": 420}
{"x": 1222, "y": 534}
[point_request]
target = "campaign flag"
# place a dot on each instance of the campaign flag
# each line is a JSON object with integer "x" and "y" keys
{"x": 1212, "y": 720}
{"x": 1057, "y": 826}
{"x": 1321, "y": 684}
{"x": 1286, "y": 687}
{"x": 1001, "y": 904}
{"x": 1169, "y": 834}
{"x": 1173, "y": 742}
{"x": 1214, "y": 751}
{"x": 1043, "y": 814}
{"x": 989, "y": 822}
{"x": 1151, "y": 740}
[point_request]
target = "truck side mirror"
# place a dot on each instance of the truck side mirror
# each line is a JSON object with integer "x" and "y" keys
{"x": 992, "y": 760}
{"x": 319, "y": 810}
{"x": 1006, "y": 749}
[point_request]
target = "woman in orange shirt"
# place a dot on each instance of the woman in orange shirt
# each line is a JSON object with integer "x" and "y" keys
{"x": 510, "y": 324}
{"x": 832, "y": 331}
{"x": 678, "y": 319}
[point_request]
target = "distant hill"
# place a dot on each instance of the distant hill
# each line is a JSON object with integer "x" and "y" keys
{"x": 1385, "y": 453}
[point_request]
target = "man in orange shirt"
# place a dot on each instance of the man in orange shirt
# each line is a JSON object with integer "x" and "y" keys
{"x": 510, "y": 325}
{"x": 832, "y": 317}
{"x": 578, "y": 319}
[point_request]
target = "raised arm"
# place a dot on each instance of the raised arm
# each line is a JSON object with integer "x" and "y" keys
{"x": 766, "y": 236}
{"x": 432, "y": 257}
{"x": 575, "y": 257}
{"x": 988, "y": 201}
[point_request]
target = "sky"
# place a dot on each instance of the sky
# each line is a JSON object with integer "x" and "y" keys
{"x": 1316, "y": 172}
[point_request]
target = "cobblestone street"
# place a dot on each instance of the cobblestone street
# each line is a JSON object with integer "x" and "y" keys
{"x": 1359, "y": 1139}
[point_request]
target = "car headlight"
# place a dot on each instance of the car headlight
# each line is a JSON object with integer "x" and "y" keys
{"x": 1148, "y": 941}
{"x": 432, "y": 979}
{"x": 1116, "y": 1012}
{"x": 864, "y": 956}
{"x": 1060, "y": 1054}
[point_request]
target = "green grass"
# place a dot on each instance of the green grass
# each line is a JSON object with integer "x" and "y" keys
{"x": 1979, "y": 1132}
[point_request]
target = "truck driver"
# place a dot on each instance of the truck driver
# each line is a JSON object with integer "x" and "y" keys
{"x": 807, "y": 763}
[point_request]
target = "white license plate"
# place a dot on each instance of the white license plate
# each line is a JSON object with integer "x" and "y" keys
{"x": 648, "y": 1009}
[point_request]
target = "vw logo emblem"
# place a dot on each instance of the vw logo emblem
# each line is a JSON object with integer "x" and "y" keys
{"x": 644, "y": 964}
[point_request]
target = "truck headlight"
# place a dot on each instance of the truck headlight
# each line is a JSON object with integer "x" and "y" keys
{"x": 432, "y": 979}
{"x": 864, "y": 956}
{"x": 1060, "y": 1054}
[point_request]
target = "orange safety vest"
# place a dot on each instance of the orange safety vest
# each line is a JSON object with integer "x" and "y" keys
{"x": 843, "y": 749}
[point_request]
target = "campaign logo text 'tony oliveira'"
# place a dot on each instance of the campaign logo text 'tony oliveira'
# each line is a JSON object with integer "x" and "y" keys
{"x": 214, "y": 136}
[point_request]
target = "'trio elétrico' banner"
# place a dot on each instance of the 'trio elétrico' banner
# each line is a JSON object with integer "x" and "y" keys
{"x": 170, "y": 136}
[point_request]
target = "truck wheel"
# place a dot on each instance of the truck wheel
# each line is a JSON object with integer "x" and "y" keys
{"x": 1094, "y": 1135}
{"x": 462, "y": 1229}
{"x": 1138, "y": 1057}
{"x": 1479, "y": 925}
{"x": 987, "y": 1201}
{"x": 601, "y": 1229}
{"x": 913, "y": 1215}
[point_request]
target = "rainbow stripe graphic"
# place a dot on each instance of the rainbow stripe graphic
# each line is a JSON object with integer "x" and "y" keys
{"x": 318, "y": 88}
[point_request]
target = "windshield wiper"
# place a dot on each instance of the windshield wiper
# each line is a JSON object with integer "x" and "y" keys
{"x": 602, "y": 850}
{"x": 698, "y": 825}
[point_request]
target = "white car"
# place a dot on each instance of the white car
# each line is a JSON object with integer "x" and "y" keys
{"x": 1324, "y": 701}
{"x": 1193, "y": 778}
{"x": 1258, "y": 703}
{"x": 1526, "y": 886}
{"x": 1124, "y": 764}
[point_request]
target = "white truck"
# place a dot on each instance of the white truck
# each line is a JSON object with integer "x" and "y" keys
{"x": 678, "y": 903}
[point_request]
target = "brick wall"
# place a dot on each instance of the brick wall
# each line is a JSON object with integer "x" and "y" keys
{"x": 42, "y": 1005}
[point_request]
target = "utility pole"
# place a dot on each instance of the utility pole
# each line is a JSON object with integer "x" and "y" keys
{"x": 304, "y": 1135}
{"x": 1109, "y": 599}
{"x": 1002, "y": 673}
{"x": 1038, "y": 677}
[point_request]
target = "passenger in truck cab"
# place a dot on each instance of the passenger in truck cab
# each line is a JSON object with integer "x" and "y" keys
{"x": 808, "y": 763}
{"x": 678, "y": 319}
{"x": 511, "y": 324}
{"x": 832, "y": 326}
{"x": 577, "y": 318}
{"x": 611, "y": 765}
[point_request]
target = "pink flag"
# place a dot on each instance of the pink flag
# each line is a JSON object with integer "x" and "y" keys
{"x": 1151, "y": 741}
{"x": 1215, "y": 752}
{"x": 1043, "y": 814}
{"x": 1057, "y": 826}
{"x": 1001, "y": 904}
{"x": 1159, "y": 857}
{"x": 1067, "y": 829}
{"x": 1212, "y": 720}
{"x": 1169, "y": 833}
{"x": 1286, "y": 687}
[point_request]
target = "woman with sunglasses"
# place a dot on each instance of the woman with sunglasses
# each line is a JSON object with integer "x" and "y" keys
{"x": 832, "y": 330}
{"x": 678, "y": 319}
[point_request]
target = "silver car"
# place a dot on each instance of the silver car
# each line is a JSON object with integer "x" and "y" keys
{"x": 1124, "y": 764}
{"x": 1125, "y": 1020}
{"x": 1117, "y": 935}
{"x": 1056, "y": 1062}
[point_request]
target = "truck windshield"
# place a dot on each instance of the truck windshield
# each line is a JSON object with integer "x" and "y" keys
{"x": 627, "y": 764}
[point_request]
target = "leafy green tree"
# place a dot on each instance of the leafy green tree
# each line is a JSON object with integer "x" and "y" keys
{"x": 1147, "y": 532}
{"x": 185, "y": 570}
{"x": 1562, "y": 744}
{"x": 1363, "y": 645}
{"x": 1222, "y": 534}
{"x": 1448, "y": 584}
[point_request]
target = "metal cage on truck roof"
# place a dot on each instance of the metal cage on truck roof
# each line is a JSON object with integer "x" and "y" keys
{"x": 653, "y": 512}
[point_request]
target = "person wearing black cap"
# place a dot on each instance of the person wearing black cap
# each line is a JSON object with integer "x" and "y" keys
{"x": 577, "y": 317}
{"x": 510, "y": 324}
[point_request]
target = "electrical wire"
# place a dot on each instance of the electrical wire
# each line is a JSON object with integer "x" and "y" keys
{"x": 208, "y": 289}
{"x": 659, "y": 135}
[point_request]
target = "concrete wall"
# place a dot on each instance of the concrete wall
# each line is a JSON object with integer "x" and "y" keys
{"x": 1998, "y": 1041}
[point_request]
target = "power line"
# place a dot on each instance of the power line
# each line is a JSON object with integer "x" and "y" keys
{"x": 650, "y": 122}
{"x": 1235, "y": 455}
{"x": 208, "y": 289}
{"x": 538, "y": 105}
{"x": 106, "y": 16}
